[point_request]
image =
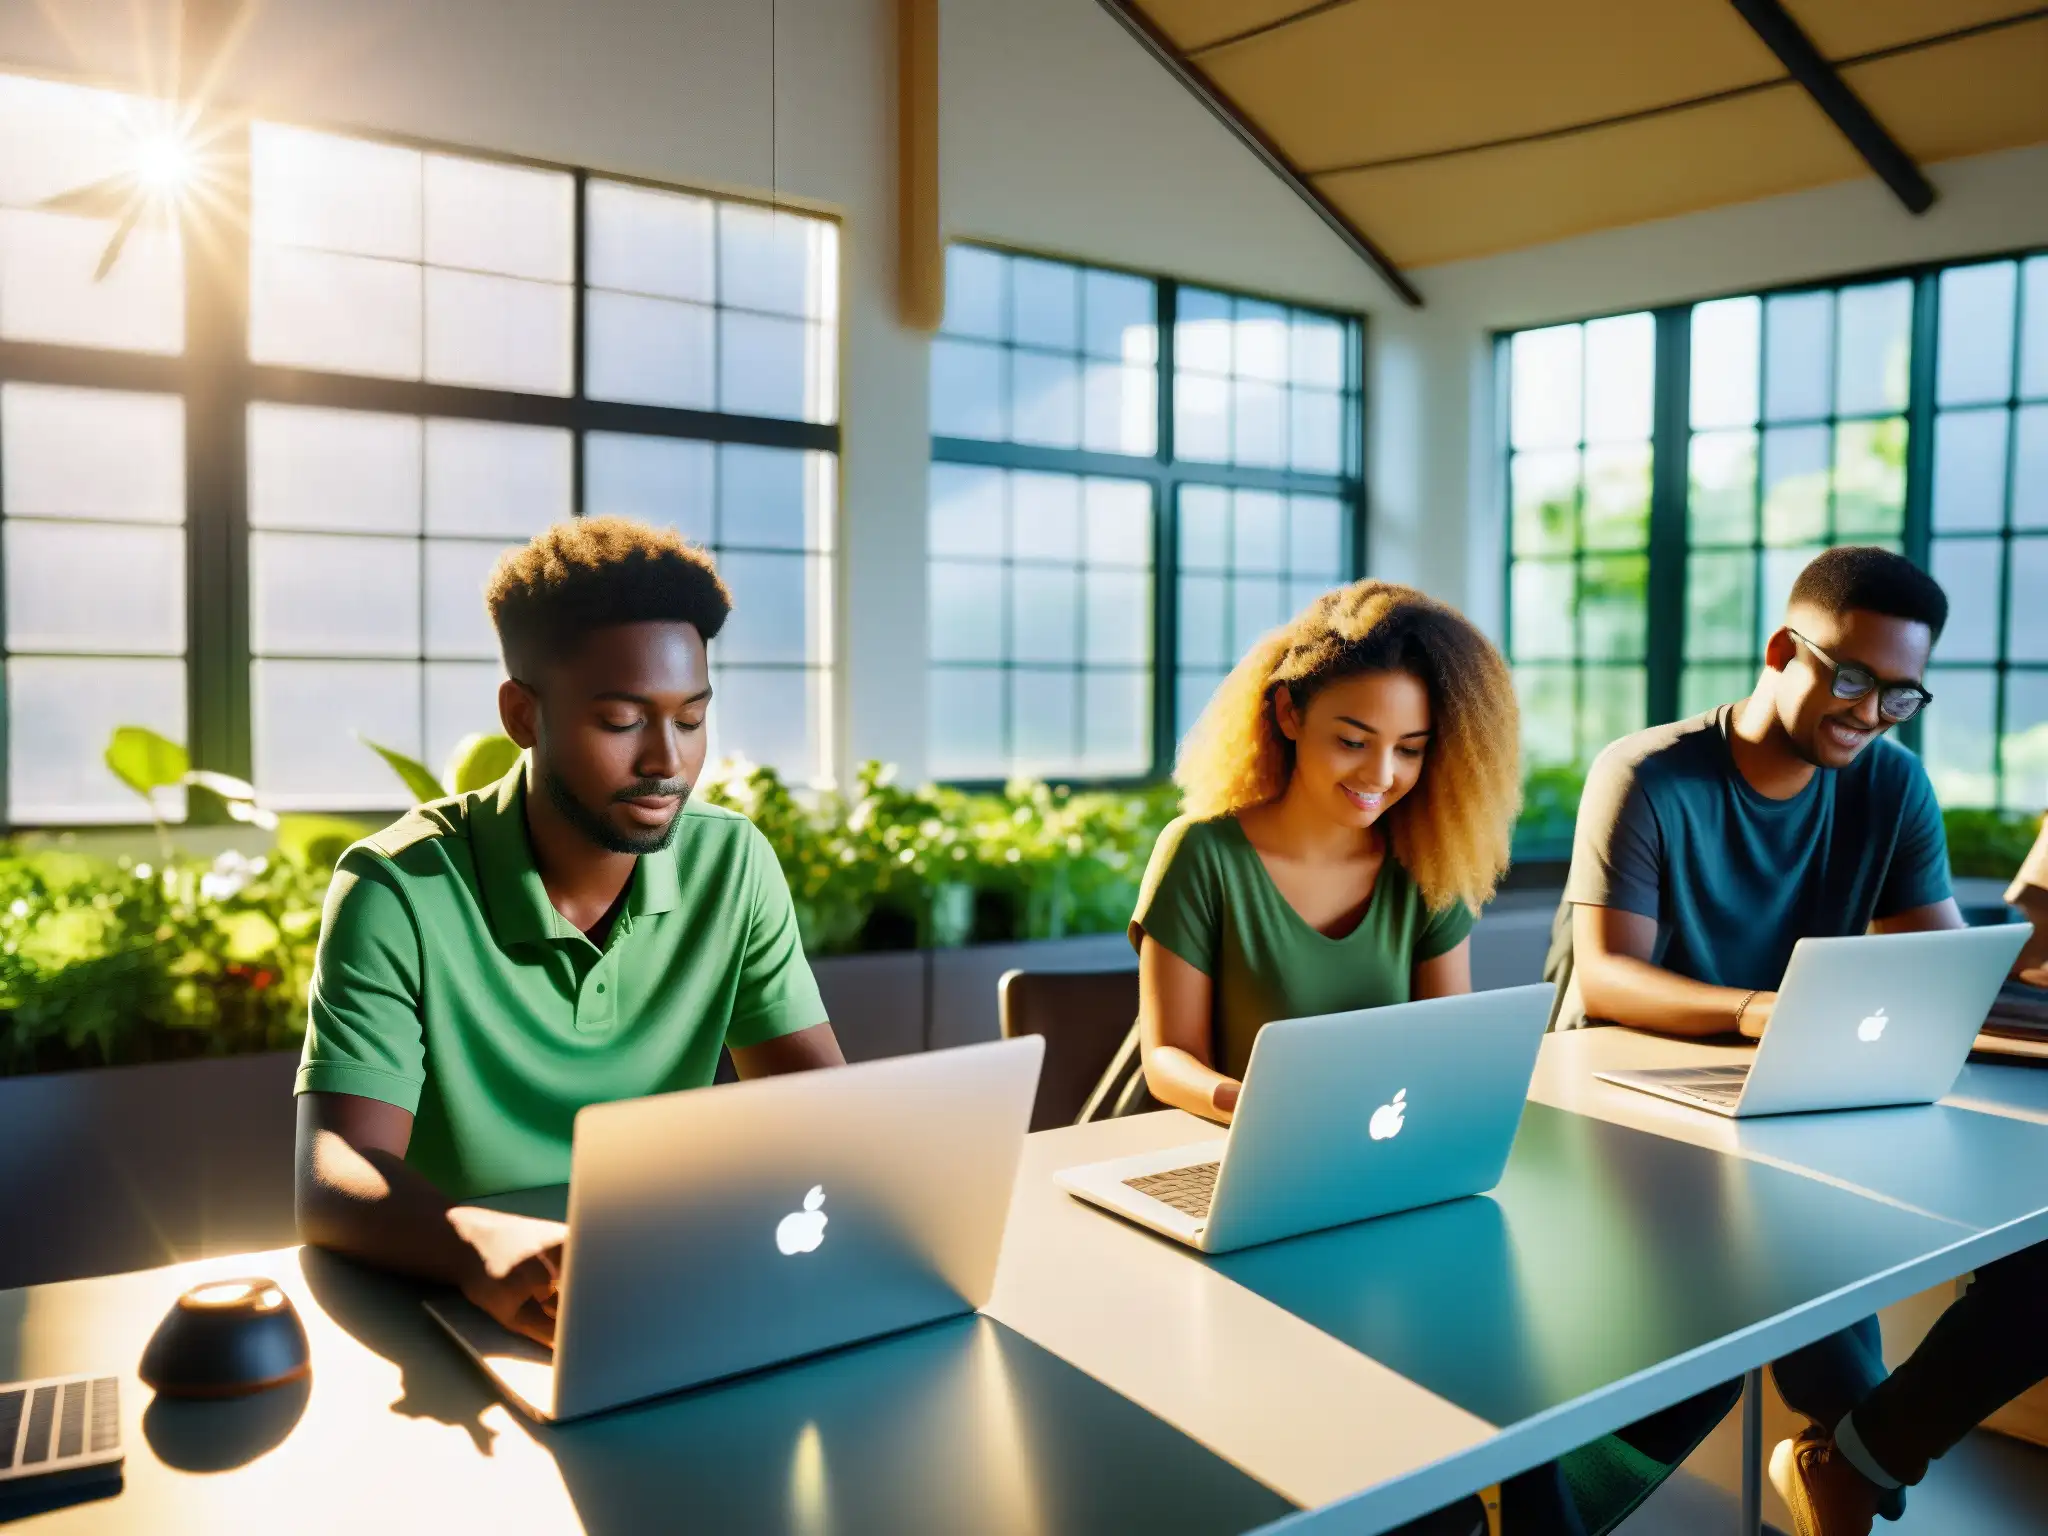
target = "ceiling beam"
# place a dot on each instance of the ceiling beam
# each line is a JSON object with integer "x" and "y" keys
{"x": 1204, "y": 90}
{"x": 1788, "y": 40}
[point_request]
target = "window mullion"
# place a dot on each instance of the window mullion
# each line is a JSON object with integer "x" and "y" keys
{"x": 216, "y": 468}
{"x": 1165, "y": 544}
{"x": 1670, "y": 453}
{"x": 1917, "y": 532}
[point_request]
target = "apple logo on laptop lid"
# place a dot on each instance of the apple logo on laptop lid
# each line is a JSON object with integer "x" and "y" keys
{"x": 1872, "y": 1028}
{"x": 1387, "y": 1119}
{"x": 802, "y": 1231}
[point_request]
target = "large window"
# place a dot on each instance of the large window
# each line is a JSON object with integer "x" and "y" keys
{"x": 442, "y": 354}
{"x": 1579, "y": 483}
{"x": 1668, "y": 474}
{"x": 1798, "y": 412}
{"x": 1132, "y": 481}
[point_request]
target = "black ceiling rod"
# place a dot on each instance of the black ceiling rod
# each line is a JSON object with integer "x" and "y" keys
{"x": 1788, "y": 40}
{"x": 1204, "y": 90}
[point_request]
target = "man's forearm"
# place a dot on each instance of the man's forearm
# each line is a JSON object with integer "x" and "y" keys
{"x": 1624, "y": 990}
{"x": 372, "y": 1206}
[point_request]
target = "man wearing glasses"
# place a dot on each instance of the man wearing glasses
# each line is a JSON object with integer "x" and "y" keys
{"x": 1982, "y": 1353}
{"x": 1707, "y": 848}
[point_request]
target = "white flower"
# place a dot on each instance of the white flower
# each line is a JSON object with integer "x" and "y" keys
{"x": 230, "y": 872}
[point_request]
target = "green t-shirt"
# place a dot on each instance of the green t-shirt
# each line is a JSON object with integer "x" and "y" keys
{"x": 448, "y": 984}
{"x": 1208, "y": 899}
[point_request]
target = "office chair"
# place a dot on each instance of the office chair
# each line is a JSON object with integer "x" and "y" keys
{"x": 1085, "y": 1019}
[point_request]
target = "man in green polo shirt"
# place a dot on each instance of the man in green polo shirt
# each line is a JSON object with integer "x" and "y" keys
{"x": 579, "y": 932}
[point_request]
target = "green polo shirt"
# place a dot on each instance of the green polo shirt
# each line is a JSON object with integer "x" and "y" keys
{"x": 448, "y": 984}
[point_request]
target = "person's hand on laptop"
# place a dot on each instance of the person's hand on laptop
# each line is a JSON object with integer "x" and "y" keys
{"x": 518, "y": 1267}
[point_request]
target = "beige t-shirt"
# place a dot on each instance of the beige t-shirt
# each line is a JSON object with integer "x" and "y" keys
{"x": 2029, "y": 892}
{"x": 2033, "y": 868}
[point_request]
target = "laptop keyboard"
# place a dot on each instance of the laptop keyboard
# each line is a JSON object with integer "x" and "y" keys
{"x": 50, "y": 1426}
{"x": 1187, "y": 1189}
{"x": 1714, "y": 1085}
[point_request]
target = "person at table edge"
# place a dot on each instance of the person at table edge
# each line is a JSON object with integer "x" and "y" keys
{"x": 1350, "y": 795}
{"x": 1985, "y": 1350}
{"x": 1707, "y": 848}
{"x": 582, "y": 931}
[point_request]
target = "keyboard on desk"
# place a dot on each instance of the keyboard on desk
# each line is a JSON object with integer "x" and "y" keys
{"x": 53, "y": 1428}
{"x": 1709, "y": 1085}
{"x": 1187, "y": 1189}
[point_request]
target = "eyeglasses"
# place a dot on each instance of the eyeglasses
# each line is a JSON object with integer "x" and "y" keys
{"x": 1897, "y": 702}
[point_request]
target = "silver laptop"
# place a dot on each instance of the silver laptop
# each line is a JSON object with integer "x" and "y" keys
{"x": 725, "y": 1229}
{"x": 1343, "y": 1117}
{"x": 1860, "y": 1022}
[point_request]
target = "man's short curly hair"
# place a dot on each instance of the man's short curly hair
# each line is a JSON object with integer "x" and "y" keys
{"x": 587, "y": 573}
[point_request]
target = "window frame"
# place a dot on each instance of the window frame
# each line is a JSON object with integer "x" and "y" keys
{"x": 1669, "y": 545}
{"x": 218, "y": 381}
{"x": 1165, "y": 475}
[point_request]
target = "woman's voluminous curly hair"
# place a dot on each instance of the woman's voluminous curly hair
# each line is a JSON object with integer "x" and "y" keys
{"x": 1452, "y": 832}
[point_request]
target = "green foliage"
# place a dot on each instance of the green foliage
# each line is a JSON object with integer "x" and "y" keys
{"x": 1989, "y": 843}
{"x": 882, "y": 866}
{"x": 422, "y": 785}
{"x": 110, "y": 961}
{"x": 479, "y": 760}
{"x": 106, "y": 961}
{"x": 1550, "y": 805}
{"x": 145, "y": 761}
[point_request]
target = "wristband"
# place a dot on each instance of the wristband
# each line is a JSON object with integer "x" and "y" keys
{"x": 1743, "y": 1007}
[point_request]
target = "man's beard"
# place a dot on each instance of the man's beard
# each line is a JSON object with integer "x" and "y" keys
{"x": 596, "y": 829}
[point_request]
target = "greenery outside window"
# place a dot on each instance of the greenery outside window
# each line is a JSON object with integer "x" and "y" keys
{"x": 1668, "y": 474}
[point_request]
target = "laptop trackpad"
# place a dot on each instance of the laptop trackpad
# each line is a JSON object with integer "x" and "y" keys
{"x": 525, "y": 1370}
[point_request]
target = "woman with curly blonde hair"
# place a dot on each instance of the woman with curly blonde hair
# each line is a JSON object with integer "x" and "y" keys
{"x": 1350, "y": 793}
{"x": 1350, "y": 796}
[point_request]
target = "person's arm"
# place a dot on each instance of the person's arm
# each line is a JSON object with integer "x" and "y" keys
{"x": 1936, "y": 915}
{"x": 804, "y": 1051}
{"x": 353, "y": 1193}
{"x": 1446, "y": 975}
{"x": 1917, "y": 896}
{"x": 358, "y": 1087}
{"x": 1174, "y": 1006}
{"x": 1616, "y": 893}
{"x": 778, "y": 1021}
{"x": 1617, "y": 981}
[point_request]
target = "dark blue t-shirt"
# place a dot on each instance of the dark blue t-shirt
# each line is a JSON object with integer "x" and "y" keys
{"x": 1669, "y": 829}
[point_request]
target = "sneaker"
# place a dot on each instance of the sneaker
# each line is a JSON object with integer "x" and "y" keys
{"x": 1827, "y": 1496}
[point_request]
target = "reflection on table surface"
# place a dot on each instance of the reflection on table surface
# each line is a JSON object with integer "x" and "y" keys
{"x": 962, "y": 1426}
{"x": 1603, "y": 1252}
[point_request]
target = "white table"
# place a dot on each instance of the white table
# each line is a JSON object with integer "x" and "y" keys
{"x": 1635, "y": 1254}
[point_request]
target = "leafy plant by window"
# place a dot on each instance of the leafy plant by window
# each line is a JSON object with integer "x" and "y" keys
{"x": 114, "y": 960}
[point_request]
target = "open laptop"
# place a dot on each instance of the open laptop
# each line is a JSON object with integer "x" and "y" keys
{"x": 1343, "y": 1117}
{"x": 1860, "y": 1022}
{"x": 724, "y": 1229}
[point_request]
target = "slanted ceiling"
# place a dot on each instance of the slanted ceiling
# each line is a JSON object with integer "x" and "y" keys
{"x": 1446, "y": 129}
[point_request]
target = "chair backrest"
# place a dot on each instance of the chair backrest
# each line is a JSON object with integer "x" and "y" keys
{"x": 1084, "y": 1018}
{"x": 1566, "y": 1012}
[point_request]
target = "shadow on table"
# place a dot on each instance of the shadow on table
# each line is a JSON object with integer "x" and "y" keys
{"x": 197, "y": 1436}
{"x": 961, "y": 1426}
{"x": 383, "y": 1313}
